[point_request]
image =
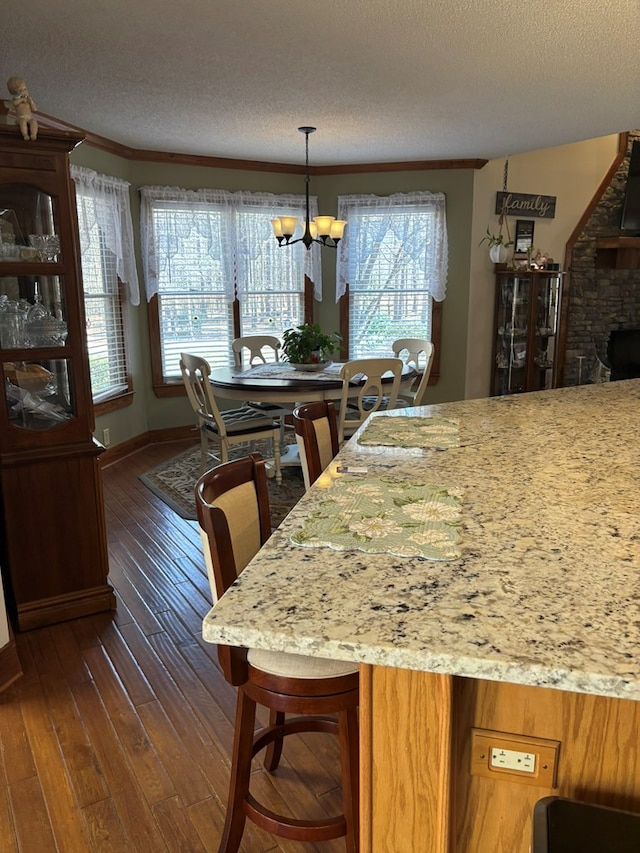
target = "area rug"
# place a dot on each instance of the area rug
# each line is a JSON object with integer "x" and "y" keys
{"x": 173, "y": 481}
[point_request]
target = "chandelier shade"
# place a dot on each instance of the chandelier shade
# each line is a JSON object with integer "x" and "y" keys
{"x": 326, "y": 230}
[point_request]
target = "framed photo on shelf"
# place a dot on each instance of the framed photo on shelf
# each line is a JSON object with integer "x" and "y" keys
{"x": 524, "y": 236}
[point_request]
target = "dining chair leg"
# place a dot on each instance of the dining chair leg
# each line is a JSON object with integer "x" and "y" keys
{"x": 204, "y": 450}
{"x": 349, "y": 760}
{"x": 273, "y": 752}
{"x": 276, "y": 460}
{"x": 240, "y": 773}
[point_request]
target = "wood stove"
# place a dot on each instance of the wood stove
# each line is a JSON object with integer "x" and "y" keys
{"x": 623, "y": 354}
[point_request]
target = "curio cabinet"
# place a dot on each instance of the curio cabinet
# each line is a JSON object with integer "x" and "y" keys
{"x": 54, "y": 555}
{"x": 527, "y": 320}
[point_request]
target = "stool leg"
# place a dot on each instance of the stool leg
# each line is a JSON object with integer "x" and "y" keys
{"x": 273, "y": 752}
{"x": 240, "y": 773}
{"x": 349, "y": 763}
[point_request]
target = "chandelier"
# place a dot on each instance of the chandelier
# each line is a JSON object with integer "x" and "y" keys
{"x": 326, "y": 230}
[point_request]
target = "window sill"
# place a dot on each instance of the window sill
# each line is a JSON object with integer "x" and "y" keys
{"x": 170, "y": 388}
{"x": 119, "y": 401}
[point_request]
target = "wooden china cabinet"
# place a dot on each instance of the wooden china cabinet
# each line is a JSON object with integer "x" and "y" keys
{"x": 526, "y": 331}
{"x": 54, "y": 555}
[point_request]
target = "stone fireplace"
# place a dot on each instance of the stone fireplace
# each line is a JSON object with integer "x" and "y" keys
{"x": 604, "y": 286}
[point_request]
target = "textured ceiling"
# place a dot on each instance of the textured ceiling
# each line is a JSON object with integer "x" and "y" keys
{"x": 383, "y": 80}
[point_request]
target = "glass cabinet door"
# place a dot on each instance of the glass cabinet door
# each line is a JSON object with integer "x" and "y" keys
{"x": 27, "y": 226}
{"x": 546, "y": 330}
{"x": 39, "y": 394}
{"x": 512, "y": 332}
{"x": 528, "y": 306}
{"x": 36, "y": 372}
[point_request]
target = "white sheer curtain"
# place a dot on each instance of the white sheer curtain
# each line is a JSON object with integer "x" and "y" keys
{"x": 175, "y": 223}
{"x": 374, "y": 221}
{"x": 105, "y": 201}
{"x": 254, "y": 237}
{"x": 235, "y": 228}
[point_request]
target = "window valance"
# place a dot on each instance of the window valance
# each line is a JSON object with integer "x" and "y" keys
{"x": 233, "y": 228}
{"x": 105, "y": 202}
{"x": 410, "y": 226}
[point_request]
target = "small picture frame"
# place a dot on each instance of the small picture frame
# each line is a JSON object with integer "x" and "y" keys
{"x": 524, "y": 236}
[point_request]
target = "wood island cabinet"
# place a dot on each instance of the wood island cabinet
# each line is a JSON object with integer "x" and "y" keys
{"x": 526, "y": 331}
{"x": 54, "y": 555}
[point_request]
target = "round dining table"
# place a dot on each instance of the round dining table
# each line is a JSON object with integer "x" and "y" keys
{"x": 229, "y": 384}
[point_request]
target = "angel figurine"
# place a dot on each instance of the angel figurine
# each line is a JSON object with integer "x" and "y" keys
{"x": 23, "y": 107}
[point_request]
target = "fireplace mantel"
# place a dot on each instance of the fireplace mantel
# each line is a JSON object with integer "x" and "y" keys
{"x": 618, "y": 253}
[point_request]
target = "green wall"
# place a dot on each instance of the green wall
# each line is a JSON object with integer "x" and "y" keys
{"x": 149, "y": 412}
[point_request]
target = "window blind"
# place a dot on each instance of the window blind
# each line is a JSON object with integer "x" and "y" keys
{"x": 204, "y": 249}
{"x": 393, "y": 265}
{"x": 103, "y": 308}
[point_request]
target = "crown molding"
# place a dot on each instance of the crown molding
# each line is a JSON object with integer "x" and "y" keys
{"x": 141, "y": 154}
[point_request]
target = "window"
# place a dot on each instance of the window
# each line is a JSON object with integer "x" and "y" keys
{"x": 106, "y": 247}
{"x": 214, "y": 272}
{"x": 392, "y": 265}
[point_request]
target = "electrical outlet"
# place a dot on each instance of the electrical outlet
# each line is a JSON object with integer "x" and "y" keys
{"x": 514, "y": 758}
{"x": 510, "y": 759}
{"x": 106, "y": 437}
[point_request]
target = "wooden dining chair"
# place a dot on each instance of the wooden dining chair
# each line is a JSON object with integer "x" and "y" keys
{"x": 224, "y": 428}
{"x": 372, "y": 394}
{"x": 414, "y": 349}
{"x": 233, "y": 513}
{"x": 256, "y": 344}
{"x": 317, "y": 437}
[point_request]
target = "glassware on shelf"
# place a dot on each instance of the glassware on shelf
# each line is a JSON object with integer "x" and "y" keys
{"x": 12, "y": 324}
{"x": 519, "y": 354}
{"x": 42, "y": 328}
{"x": 10, "y": 235}
{"x": 47, "y": 245}
{"x": 542, "y": 360}
{"x": 35, "y": 396}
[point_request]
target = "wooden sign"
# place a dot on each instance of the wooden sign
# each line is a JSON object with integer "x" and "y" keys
{"x": 524, "y": 204}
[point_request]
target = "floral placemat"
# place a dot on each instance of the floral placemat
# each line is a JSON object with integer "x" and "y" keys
{"x": 381, "y": 515}
{"x": 283, "y": 370}
{"x": 407, "y": 431}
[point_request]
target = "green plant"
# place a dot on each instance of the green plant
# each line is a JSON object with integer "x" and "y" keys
{"x": 308, "y": 344}
{"x": 496, "y": 239}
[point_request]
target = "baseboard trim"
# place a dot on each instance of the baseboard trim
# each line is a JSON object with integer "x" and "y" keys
{"x": 61, "y": 608}
{"x": 10, "y": 666}
{"x": 154, "y": 436}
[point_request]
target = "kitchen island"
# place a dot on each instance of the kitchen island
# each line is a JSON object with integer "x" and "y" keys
{"x": 533, "y": 632}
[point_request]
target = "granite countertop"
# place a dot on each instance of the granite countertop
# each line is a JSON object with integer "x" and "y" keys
{"x": 547, "y": 590}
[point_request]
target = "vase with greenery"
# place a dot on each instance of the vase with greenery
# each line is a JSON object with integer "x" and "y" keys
{"x": 308, "y": 344}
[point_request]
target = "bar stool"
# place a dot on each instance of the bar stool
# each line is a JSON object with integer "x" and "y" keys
{"x": 567, "y": 826}
{"x": 233, "y": 512}
{"x": 317, "y": 437}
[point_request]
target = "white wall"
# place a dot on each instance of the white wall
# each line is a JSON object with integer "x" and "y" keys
{"x": 571, "y": 173}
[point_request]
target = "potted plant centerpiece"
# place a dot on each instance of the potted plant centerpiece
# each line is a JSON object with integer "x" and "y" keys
{"x": 307, "y": 347}
{"x": 498, "y": 245}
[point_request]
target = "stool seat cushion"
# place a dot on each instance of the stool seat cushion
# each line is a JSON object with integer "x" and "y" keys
{"x": 298, "y": 666}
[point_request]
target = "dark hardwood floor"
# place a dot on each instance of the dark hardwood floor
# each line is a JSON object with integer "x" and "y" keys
{"x": 117, "y": 737}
